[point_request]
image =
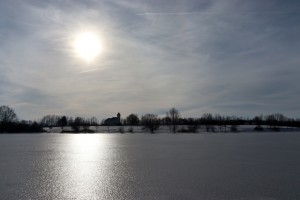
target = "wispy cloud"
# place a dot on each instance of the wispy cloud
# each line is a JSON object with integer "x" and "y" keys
{"x": 171, "y": 13}
{"x": 219, "y": 13}
{"x": 199, "y": 56}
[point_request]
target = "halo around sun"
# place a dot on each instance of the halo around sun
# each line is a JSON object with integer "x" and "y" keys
{"x": 87, "y": 45}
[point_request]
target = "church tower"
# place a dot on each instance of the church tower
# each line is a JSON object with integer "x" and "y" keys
{"x": 119, "y": 117}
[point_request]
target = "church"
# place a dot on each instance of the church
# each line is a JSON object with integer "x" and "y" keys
{"x": 113, "y": 121}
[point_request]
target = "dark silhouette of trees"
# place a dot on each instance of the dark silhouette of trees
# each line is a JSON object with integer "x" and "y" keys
{"x": 166, "y": 121}
{"x": 7, "y": 115}
{"x": 132, "y": 120}
{"x": 173, "y": 116}
{"x": 62, "y": 122}
{"x": 258, "y": 121}
{"x": 9, "y": 122}
{"x": 220, "y": 121}
{"x": 8, "y": 119}
{"x": 233, "y": 122}
{"x": 50, "y": 121}
{"x": 82, "y": 124}
{"x": 27, "y": 127}
{"x": 207, "y": 120}
{"x": 192, "y": 125}
{"x": 150, "y": 122}
{"x": 270, "y": 121}
{"x": 275, "y": 121}
{"x": 94, "y": 121}
{"x": 77, "y": 124}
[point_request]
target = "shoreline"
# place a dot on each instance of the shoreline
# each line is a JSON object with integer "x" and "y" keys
{"x": 162, "y": 130}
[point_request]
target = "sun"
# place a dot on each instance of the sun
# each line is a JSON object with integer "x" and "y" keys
{"x": 87, "y": 45}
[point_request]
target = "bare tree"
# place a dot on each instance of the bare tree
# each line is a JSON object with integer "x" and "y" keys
{"x": 207, "y": 120}
{"x": 62, "y": 122}
{"x": 150, "y": 122}
{"x": 77, "y": 124}
{"x": 258, "y": 121}
{"x": 271, "y": 121}
{"x": 192, "y": 125}
{"x": 132, "y": 120}
{"x": 275, "y": 121}
{"x": 94, "y": 121}
{"x": 50, "y": 121}
{"x": 7, "y": 115}
{"x": 173, "y": 115}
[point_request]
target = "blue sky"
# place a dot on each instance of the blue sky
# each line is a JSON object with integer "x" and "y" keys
{"x": 230, "y": 57}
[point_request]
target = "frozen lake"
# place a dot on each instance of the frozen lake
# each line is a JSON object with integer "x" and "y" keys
{"x": 245, "y": 166}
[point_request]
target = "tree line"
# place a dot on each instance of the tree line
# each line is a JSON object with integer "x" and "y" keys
{"x": 9, "y": 122}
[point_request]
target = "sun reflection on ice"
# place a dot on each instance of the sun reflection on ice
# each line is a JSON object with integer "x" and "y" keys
{"x": 88, "y": 165}
{"x": 86, "y": 146}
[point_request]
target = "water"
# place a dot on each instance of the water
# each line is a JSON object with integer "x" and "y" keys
{"x": 145, "y": 166}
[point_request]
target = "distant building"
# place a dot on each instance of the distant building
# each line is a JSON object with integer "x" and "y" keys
{"x": 113, "y": 121}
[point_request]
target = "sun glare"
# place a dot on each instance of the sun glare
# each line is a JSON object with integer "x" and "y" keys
{"x": 87, "y": 46}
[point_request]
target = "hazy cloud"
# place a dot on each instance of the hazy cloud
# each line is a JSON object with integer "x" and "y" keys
{"x": 227, "y": 57}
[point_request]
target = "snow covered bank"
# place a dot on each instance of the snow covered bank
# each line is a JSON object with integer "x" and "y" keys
{"x": 165, "y": 129}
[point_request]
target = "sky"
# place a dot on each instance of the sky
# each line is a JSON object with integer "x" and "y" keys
{"x": 228, "y": 57}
